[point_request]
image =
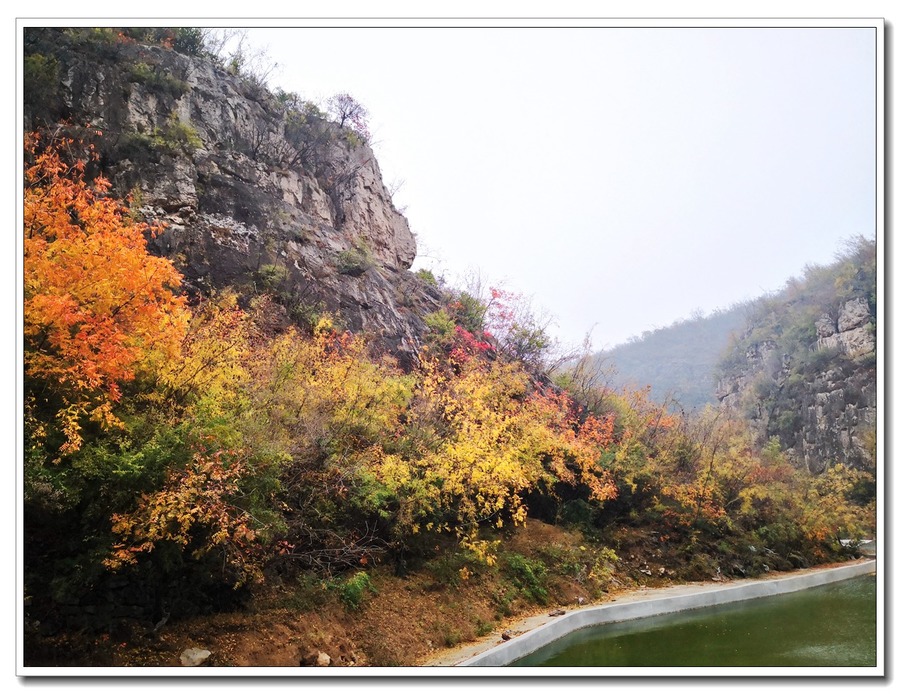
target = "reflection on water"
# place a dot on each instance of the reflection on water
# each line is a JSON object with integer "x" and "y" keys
{"x": 831, "y": 625}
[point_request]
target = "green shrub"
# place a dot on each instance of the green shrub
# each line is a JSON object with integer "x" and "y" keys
{"x": 440, "y": 327}
{"x": 136, "y": 146}
{"x": 427, "y": 276}
{"x": 469, "y": 312}
{"x": 504, "y": 598}
{"x": 818, "y": 360}
{"x": 604, "y": 568}
{"x": 189, "y": 40}
{"x": 180, "y": 135}
{"x": 868, "y": 360}
{"x": 93, "y": 36}
{"x": 787, "y": 422}
{"x": 141, "y": 72}
{"x": 305, "y": 594}
{"x": 40, "y": 83}
{"x": 176, "y": 136}
{"x": 529, "y": 576}
{"x": 483, "y": 628}
{"x": 451, "y": 636}
{"x": 156, "y": 80}
{"x": 303, "y": 312}
{"x": 527, "y": 342}
{"x": 271, "y": 277}
{"x": 352, "y": 139}
{"x": 448, "y": 568}
{"x": 354, "y": 589}
{"x": 356, "y": 260}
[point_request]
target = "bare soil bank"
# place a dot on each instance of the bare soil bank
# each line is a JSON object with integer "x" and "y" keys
{"x": 418, "y": 619}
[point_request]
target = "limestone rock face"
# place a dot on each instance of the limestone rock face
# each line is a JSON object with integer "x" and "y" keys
{"x": 824, "y": 410}
{"x": 825, "y": 327}
{"x": 732, "y": 387}
{"x": 855, "y": 334}
{"x": 854, "y": 314}
{"x": 252, "y": 195}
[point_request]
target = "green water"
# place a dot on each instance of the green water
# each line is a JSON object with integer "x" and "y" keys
{"x": 831, "y": 625}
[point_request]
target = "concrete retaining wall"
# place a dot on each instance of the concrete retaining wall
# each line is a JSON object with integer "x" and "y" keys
{"x": 701, "y": 596}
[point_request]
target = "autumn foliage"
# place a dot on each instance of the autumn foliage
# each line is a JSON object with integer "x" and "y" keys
{"x": 479, "y": 439}
{"x": 196, "y": 497}
{"x": 99, "y": 309}
{"x": 207, "y": 444}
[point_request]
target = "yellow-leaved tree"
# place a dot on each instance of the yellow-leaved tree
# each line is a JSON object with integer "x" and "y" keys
{"x": 478, "y": 441}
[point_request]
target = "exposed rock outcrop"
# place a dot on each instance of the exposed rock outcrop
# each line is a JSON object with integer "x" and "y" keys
{"x": 854, "y": 333}
{"x": 823, "y": 410}
{"x": 253, "y": 193}
{"x": 758, "y": 359}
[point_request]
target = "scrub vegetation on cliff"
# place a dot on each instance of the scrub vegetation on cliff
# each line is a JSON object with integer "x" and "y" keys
{"x": 204, "y": 458}
{"x": 804, "y": 368}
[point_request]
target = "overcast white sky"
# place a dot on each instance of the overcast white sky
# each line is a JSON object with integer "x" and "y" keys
{"x": 621, "y": 177}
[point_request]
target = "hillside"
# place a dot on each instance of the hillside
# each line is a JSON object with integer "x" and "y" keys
{"x": 248, "y": 426}
{"x": 803, "y": 371}
{"x": 678, "y": 361}
{"x": 258, "y": 191}
{"x": 798, "y": 364}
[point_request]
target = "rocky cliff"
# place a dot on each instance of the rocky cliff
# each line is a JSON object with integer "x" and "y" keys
{"x": 805, "y": 368}
{"x": 257, "y": 192}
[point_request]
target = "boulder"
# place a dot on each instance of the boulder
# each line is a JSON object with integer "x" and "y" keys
{"x": 315, "y": 658}
{"x": 192, "y": 657}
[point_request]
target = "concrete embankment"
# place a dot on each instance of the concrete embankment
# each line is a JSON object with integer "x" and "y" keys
{"x": 648, "y": 604}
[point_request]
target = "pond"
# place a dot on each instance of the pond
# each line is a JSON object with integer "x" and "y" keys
{"x": 830, "y": 625}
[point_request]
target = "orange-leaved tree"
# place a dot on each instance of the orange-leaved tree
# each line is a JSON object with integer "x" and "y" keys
{"x": 99, "y": 309}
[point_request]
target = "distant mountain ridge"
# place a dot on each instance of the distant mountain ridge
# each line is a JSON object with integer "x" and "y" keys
{"x": 678, "y": 361}
{"x": 798, "y": 364}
